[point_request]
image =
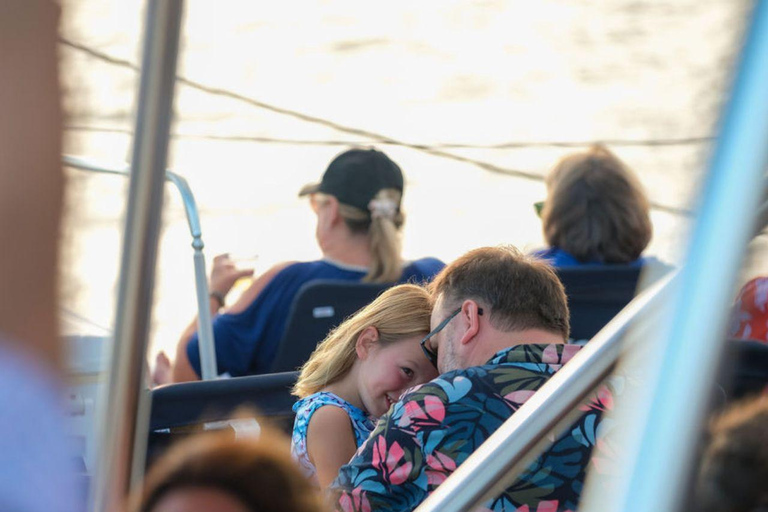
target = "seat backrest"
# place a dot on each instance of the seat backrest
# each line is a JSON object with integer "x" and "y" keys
{"x": 596, "y": 294}
{"x": 178, "y": 405}
{"x": 744, "y": 369}
{"x": 319, "y": 306}
{"x": 187, "y": 406}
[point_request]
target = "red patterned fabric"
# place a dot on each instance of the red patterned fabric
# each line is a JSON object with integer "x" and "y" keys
{"x": 750, "y": 315}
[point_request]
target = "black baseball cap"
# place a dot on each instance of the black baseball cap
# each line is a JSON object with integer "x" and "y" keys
{"x": 356, "y": 176}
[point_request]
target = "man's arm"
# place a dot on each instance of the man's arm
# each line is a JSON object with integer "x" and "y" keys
{"x": 383, "y": 474}
{"x": 399, "y": 465}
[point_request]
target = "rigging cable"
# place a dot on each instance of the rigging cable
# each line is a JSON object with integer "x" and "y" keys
{"x": 435, "y": 149}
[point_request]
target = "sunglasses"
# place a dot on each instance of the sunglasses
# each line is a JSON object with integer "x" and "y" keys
{"x": 431, "y": 354}
{"x": 538, "y": 207}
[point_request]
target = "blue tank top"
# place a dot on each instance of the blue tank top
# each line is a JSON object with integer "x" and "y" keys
{"x": 246, "y": 342}
{"x": 362, "y": 425}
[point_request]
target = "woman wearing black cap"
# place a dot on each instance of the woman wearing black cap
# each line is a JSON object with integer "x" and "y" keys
{"x": 359, "y": 216}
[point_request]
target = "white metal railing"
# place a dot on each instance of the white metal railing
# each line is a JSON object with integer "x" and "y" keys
{"x": 205, "y": 325}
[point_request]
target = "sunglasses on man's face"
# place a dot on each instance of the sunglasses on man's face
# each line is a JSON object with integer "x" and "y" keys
{"x": 432, "y": 354}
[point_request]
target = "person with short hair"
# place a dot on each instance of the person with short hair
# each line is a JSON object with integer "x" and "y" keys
{"x": 596, "y": 211}
{"x": 214, "y": 471}
{"x": 353, "y": 377}
{"x": 734, "y": 468}
{"x": 358, "y": 204}
{"x": 499, "y": 325}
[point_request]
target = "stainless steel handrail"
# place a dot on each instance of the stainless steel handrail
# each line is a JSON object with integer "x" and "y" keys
{"x": 506, "y": 453}
{"x": 187, "y": 197}
{"x": 124, "y": 423}
{"x": 205, "y": 325}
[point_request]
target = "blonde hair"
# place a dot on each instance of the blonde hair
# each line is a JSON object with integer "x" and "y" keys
{"x": 400, "y": 312}
{"x": 384, "y": 233}
{"x": 597, "y": 209}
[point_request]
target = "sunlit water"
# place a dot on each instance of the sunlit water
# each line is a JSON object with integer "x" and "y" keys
{"x": 431, "y": 72}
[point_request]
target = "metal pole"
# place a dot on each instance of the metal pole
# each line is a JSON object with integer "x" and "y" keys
{"x": 663, "y": 417}
{"x": 207, "y": 349}
{"x": 124, "y": 423}
{"x": 205, "y": 325}
{"x": 497, "y": 463}
{"x": 206, "y": 345}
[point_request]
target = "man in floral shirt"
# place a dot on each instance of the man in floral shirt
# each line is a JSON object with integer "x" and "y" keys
{"x": 500, "y": 322}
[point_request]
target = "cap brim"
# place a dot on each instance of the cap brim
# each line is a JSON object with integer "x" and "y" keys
{"x": 310, "y": 188}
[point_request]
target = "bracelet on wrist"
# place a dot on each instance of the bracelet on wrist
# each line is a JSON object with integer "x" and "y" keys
{"x": 218, "y": 297}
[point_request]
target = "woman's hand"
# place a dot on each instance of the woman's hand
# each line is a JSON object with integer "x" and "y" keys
{"x": 224, "y": 274}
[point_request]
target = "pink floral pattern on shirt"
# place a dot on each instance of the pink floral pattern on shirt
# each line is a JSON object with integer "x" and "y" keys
{"x": 436, "y": 426}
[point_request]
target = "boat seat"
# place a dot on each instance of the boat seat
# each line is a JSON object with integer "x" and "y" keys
{"x": 596, "y": 294}
{"x": 319, "y": 306}
{"x": 179, "y": 410}
{"x": 744, "y": 369}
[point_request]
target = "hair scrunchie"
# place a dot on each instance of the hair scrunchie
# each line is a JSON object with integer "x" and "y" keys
{"x": 383, "y": 208}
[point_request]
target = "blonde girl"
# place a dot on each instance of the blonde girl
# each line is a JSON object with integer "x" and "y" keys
{"x": 355, "y": 375}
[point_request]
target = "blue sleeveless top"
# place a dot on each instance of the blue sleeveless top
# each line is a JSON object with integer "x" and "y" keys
{"x": 362, "y": 425}
{"x": 246, "y": 342}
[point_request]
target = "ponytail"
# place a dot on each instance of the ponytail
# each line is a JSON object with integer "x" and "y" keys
{"x": 382, "y": 223}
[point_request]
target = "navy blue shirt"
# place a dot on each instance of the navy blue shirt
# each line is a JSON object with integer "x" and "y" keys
{"x": 560, "y": 258}
{"x": 246, "y": 342}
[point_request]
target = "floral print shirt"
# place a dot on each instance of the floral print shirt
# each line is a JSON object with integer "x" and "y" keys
{"x": 305, "y": 408}
{"x": 436, "y": 426}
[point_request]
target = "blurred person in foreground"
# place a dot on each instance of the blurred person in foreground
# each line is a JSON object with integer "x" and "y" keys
{"x": 36, "y": 464}
{"x": 214, "y": 472}
{"x": 734, "y": 469}
{"x": 499, "y": 325}
{"x": 358, "y": 204}
{"x": 596, "y": 212}
{"x": 750, "y": 311}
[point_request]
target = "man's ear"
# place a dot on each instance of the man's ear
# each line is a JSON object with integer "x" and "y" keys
{"x": 470, "y": 320}
{"x": 332, "y": 210}
{"x": 367, "y": 341}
